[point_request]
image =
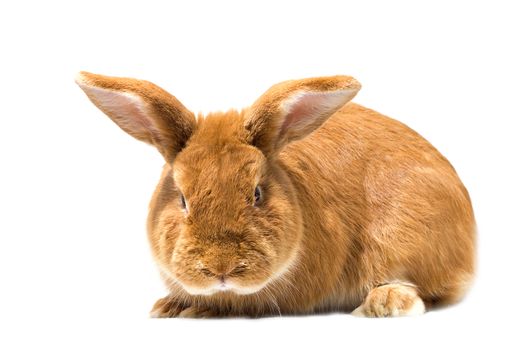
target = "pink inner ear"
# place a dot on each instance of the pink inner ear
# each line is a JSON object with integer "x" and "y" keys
{"x": 304, "y": 106}
{"x": 309, "y": 109}
{"x": 127, "y": 110}
{"x": 130, "y": 109}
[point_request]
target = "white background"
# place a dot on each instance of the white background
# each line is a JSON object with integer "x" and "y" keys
{"x": 76, "y": 271}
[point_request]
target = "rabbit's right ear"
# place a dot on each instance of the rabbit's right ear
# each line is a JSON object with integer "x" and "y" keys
{"x": 142, "y": 109}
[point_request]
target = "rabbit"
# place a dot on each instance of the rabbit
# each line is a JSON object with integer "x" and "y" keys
{"x": 302, "y": 203}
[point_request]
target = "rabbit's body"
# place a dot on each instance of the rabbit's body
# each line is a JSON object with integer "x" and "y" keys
{"x": 389, "y": 207}
{"x": 359, "y": 210}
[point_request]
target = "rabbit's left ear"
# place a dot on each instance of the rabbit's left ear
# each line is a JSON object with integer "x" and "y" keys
{"x": 142, "y": 109}
{"x": 292, "y": 109}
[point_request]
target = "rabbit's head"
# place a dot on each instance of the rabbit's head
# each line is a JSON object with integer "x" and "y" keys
{"x": 225, "y": 215}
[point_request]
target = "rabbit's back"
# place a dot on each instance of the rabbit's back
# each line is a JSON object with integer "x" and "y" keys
{"x": 378, "y": 196}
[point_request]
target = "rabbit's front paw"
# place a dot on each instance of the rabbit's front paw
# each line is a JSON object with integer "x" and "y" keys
{"x": 391, "y": 300}
{"x": 199, "y": 312}
{"x": 169, "y": 307}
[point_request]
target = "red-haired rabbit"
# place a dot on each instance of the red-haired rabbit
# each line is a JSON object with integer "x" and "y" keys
{"x": 301, "y": 203}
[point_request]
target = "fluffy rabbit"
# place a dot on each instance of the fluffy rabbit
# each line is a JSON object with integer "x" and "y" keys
{"x": 301, "y": 203}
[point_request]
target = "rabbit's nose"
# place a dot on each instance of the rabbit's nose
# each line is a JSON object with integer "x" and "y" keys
{"x": 222, "y": 270}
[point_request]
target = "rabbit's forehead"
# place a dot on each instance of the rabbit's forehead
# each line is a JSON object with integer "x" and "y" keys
{"x": 230, "y": 164}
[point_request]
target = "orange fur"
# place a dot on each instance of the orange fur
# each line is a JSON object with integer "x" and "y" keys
{"x": 351, "y": 200}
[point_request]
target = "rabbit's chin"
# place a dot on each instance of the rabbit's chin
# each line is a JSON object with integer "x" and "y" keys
{"x": 223, "y": 288}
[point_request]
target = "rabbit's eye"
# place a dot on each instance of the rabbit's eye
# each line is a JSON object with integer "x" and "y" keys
{"x": 257, "y": 195}
{"x": 183, "y": 203}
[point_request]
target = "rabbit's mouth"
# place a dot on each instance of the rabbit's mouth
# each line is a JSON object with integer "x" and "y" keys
{"x": 239, "y": 286}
